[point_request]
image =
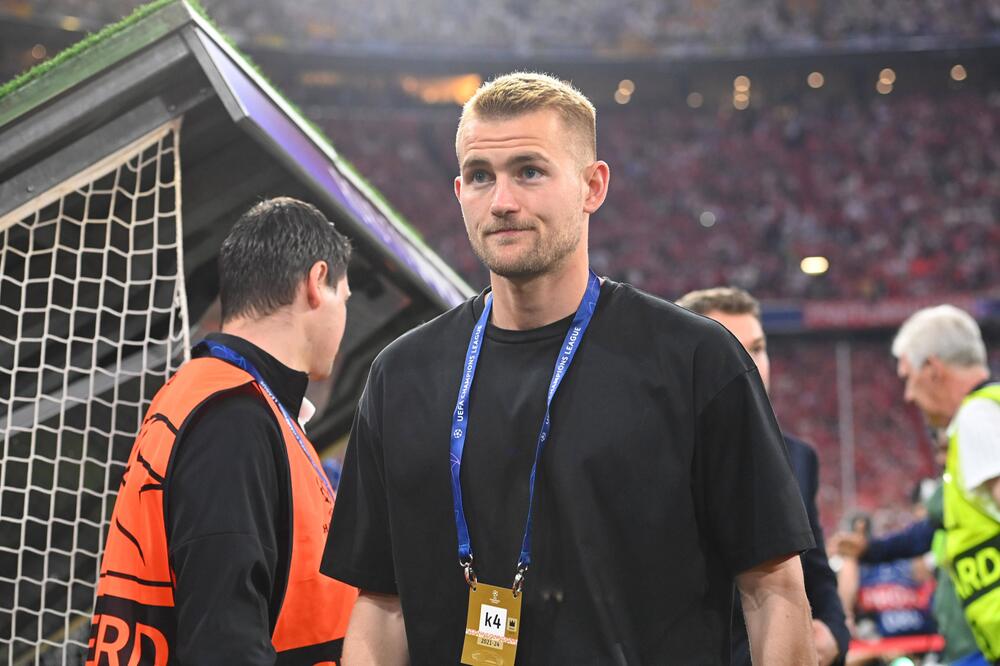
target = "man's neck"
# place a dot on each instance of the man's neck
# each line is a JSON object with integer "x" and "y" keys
{"x": 529, "y": 303}
{"x": 275, "y": 335}
{"x": 969, "y": 378}
{"x": 963, "y": 382}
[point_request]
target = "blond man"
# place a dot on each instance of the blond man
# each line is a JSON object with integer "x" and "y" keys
{"x": 562, "y": 470}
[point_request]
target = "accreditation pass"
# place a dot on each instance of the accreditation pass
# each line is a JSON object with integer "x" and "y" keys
{"x": 492, "y": 626}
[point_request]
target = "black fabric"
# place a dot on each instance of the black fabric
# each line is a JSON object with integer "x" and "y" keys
{"x": 663, "y": 477}
{"x": 289, "y": 385}
{"x": 228, "y": 512}
{"x": 311, "y": 654}
{"x": 821, "y": 582}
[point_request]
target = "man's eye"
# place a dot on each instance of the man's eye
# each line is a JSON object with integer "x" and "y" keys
{"x": 531, "y": 172}
{"x": 479, "y": 176}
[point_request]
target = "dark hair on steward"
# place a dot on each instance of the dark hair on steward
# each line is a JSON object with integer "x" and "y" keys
{"x": 270, "y": 250}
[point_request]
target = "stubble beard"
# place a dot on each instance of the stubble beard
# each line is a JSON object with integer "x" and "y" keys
{"x": 544, "y": 256}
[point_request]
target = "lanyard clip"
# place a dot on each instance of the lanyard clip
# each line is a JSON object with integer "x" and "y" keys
{"x": 522, "y": 569}
{"x": 470, "y": 574}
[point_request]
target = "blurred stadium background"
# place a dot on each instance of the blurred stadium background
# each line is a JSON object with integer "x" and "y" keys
{"x": 840, "y": 160}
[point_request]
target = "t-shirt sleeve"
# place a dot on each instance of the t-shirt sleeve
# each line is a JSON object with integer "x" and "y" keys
{"x": 750, "y": 500}
{"x": 978, "y": 426}
{"x": 359, "y": 548}
{"x": 223, "y": 503}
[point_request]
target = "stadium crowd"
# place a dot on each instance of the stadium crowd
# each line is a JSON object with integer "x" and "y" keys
{"x": 632, "y": 27}
{"x": 628, "y": 28}
{"x": 890, "y": 440}
{"x": 897, "y": 195}
{"x": 892, "y": 447}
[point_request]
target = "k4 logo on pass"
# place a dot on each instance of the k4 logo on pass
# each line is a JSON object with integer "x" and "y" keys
{"x": 492, "y": 621}
{"x": 492, "y": 626}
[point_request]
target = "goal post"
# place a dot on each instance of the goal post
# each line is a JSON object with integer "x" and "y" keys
{"x": 93, "y": 320}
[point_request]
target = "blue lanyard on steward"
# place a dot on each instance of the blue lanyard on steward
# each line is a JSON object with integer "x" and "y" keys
{"x": 460, "y": 422}
{"x": 224, "y": 353}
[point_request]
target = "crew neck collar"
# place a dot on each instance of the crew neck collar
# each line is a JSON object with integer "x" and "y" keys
{"x": 556, "y": 329}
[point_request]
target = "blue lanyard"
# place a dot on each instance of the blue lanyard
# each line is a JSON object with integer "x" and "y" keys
{"x": 460, "y": 423}
{"x": 222, "y": 352}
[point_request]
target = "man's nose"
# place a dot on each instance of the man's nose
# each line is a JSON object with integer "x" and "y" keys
{"x": 504, "y": 200}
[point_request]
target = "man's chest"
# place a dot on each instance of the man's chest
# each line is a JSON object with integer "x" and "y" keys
{"x": 615, "y": 431}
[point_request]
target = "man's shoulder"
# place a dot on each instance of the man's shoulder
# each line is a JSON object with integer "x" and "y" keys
{"x": 798, "y": 447}
{"x": 421, "y": 344}
{"x": 234, "y": 430}
{"x": 804, "y": 461}
{"x": 978, "y": 414}
{"x": 675, "y": 335}
{"x": 243, "y": 409}
{"x": 978, "y": 408}
{"x": 628, "y": 302}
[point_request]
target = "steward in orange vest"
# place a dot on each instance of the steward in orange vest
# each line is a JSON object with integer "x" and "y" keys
{"x": 214, "y": 545}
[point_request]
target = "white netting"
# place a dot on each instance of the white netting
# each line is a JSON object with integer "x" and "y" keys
{"x": 93, "y": 319}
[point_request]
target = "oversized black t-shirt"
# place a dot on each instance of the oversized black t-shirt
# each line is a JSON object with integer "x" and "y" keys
{"x": 664, "y": 476}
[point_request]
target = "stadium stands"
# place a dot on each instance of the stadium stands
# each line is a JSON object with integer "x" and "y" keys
{"x": 890, "y": 440}
{"x": 628, "y": 28}
{"x": 897, "y": 195}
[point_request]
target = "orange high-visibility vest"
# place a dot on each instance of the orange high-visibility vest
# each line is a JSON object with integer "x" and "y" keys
{"x": 134, "y": 621}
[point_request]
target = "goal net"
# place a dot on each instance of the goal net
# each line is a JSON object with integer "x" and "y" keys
{"x": 93, "y": 320}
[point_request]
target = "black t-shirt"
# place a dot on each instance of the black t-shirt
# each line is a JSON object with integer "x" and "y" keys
{"x": 820, "y": 581}
{"x": 664, "y": 476}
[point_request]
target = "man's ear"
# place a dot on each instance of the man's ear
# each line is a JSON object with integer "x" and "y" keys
{"x": 597, "y": 176}
{"x": 315, "y": 281}
{"x": 936, "y": 367}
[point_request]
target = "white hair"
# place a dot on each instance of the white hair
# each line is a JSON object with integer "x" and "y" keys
{"x": 943, "y": 331}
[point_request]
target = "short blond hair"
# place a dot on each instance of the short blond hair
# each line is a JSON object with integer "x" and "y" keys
{"x": 727, "y": 300}
{"x": 519, "y": 93}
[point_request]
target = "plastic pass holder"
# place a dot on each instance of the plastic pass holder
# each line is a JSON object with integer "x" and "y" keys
{"x": 492, "y": 626}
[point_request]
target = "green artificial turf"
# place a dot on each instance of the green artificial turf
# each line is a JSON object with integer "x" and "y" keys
{"x": 85, "y": 44}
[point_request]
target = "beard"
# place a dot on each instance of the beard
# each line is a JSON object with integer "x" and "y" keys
{"x": 544, "y": 255}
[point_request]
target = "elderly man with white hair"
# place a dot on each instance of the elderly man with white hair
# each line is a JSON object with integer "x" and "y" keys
{"x": 942, "y": 358}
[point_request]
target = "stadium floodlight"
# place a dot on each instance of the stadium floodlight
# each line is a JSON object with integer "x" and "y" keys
{"x": 815, "y": 265}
